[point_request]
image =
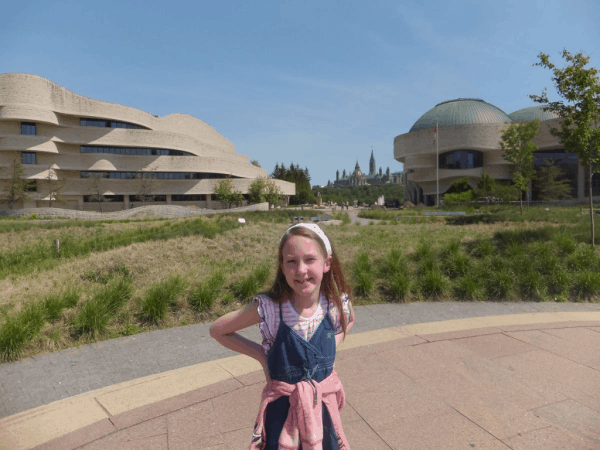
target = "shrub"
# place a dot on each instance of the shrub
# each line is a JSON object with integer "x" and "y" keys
{"x": 466, "y": 288}
{"x": 94, "y": 315}
{"x": 204, "y": 296}
{"x": 70, "y": 296}
{"x": 432, "y": 283}
{"x": 18, "y": 330}
{"x": 362, "y": 273}
{"x": 248, "y": 286}
{"x": 586, "y": 284}
{"x": 392, "y": 264}
{"x": 557, "y": 282}
{"x": 565, "y": 243}
{"x": 399, "y": 285}
{"x": 500, "y": 284}
{"x": 531, "y": 285}
{"x": 53, "y": 306}
{"x": 456, "y": 264}
{"x": 161, "y": 296}
{"x": 363, "y": 283}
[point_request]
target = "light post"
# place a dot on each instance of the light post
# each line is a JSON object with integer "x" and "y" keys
{"x": 437, "y": 162}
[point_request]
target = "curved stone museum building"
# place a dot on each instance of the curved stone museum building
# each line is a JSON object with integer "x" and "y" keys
{"x": 469, "y": 135}
{"x": 92, "y": 146}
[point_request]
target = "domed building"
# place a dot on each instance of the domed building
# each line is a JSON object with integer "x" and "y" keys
{"x": 467, "y": 142}
{"x": 102, "y": 149}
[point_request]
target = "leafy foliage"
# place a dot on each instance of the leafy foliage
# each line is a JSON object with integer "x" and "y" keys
{"x": 226, "y": 195}
{"x": 579, "y": 131}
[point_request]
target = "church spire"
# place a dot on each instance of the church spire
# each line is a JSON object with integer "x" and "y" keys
{"x": 357, "y": 167}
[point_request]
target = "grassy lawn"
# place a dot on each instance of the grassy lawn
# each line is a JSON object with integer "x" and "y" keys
{"x": 119, "y": 278}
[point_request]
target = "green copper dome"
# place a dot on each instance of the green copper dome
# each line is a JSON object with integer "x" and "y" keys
{"x": 461, "y": 111}
{"x": 532, "y": 113}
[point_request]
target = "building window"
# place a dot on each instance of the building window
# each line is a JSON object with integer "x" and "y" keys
{"x": 155, "y": 198}
{"x": 158, "y": 175}
{"x": 134, "y": 151}
{"x": 109, "y": 124}
{"x": 461, "y": 159}
{"x": 188, "y": 197}
{"x": 28, "y": 158}
{"x": 107, "y": 198}
{"x": 28, "y": 128}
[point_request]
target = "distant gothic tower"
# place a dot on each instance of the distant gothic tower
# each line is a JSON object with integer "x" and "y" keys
{"x": 357, "y": 167}
{"x": 380, "y": 172}
{"x": 344, "y": 173}
{"x": 387, "y": 173}
{"x": 372, "y": 168}
{"x": 337, "y": 175}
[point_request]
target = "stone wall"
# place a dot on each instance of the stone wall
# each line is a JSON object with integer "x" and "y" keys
{"x": 143, "y": 212}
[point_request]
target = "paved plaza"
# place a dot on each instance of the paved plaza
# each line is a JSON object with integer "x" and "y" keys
{"x": 449, "y": 375}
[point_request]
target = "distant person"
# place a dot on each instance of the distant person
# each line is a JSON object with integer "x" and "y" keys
{"x": 303, "y": 302}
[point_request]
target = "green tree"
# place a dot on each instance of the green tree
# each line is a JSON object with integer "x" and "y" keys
{"x": 226, "y": 195}
{"x": 272, "y": 193}
{"x": 300, "y": 177}
{"x": 486, "y": 184}
{"x": 459, "y": 186}
{"x": 256, "y": 190}
{"x": 54, "y": 186}
{"x": 578, "y": 131}
{"x": 16, "y": 187}
{"x": 550, "y": 186}
{"x": 518, "y": 150}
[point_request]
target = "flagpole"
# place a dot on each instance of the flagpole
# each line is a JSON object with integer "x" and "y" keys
{"x": 437, "y": 162}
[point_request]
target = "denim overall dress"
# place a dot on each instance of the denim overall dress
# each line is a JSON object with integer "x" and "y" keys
{"x": 292, "y": 359}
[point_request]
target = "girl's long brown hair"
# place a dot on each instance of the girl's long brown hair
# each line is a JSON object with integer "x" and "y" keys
{"x": 333, "y": 284}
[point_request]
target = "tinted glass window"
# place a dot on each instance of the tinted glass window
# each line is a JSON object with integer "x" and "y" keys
{"x": 461, "y": 159}
{"x": 28, "y": 128}
{"x": 28, "y": 158}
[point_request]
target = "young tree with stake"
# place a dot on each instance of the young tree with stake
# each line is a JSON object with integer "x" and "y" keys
{"x": 518, "y": 150}
{"x": 579, "y": 132}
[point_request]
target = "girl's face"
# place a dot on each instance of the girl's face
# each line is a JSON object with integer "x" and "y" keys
{"x": 303, "y": 266}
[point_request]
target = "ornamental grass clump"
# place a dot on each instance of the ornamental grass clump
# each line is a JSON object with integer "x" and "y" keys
{"x": 160, "y": 296}
{"x": 466, "y": 288}
{"x": 455, "y": 263}
{"x": 93, "y": 317}
{"x": 362, "y": 274}
{"x": 203, "y": 297}
{"x": 20, "y": 329}
{"x": 586, "y": 284}
{"x": 433, "y": 283}
{"x": 248, "y": 286}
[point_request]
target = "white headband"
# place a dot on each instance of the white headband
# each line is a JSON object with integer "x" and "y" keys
{"x": 317, "y": 230}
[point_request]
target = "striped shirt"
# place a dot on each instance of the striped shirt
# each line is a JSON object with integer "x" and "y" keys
{"x": 268, "y": 310}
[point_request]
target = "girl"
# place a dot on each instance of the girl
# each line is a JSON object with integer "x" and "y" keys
{"x": 301, "y": 326}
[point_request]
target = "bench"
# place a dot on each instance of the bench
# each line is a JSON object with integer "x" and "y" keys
{"x": 444, "y": 213}
{"x": 320, "y": 218}
{"x": 587, "y": 211}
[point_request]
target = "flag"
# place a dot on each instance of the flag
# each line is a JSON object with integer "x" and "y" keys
{"x": 434, "y": 133}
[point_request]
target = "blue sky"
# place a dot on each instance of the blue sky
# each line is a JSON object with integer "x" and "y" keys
{"x": 318, "y": 83}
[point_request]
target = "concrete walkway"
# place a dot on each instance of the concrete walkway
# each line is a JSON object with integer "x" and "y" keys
{"x": 416, "y": 376}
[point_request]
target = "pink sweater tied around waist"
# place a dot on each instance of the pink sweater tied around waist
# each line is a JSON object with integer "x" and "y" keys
{"x": 304, "y": 423}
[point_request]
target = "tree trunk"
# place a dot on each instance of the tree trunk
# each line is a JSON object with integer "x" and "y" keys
{"x": 592, "y": 207}
{"x": 521, "y": 199}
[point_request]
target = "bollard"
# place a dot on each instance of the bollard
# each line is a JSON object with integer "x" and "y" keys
{"x": 56, "y": 244}
{"x": 295, "y": 219}
{"x": 301, "y": 219}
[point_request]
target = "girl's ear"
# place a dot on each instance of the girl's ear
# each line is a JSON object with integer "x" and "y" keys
{"x": 327, "y": 264}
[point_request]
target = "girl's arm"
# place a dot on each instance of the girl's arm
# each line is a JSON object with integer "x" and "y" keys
{"x": 339, "y": 336}
{"x": 223, "y": 331}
